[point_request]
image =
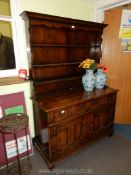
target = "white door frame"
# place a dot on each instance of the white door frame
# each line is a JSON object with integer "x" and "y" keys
{"x": 101, "y": 9}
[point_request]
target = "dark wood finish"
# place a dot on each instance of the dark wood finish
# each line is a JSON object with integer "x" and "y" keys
{"x": 73, "y": 117}
{"x": 66, "y": 117}
{"x": 58, "y": 45}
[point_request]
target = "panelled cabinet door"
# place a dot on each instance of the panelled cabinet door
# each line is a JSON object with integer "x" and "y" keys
{"x": 103, "y": 118}
{"x": 96, "y": 122}
{"x": 87, "y": 126}
{"x": 65, "y": 138}
{"x": 107, "y": 116}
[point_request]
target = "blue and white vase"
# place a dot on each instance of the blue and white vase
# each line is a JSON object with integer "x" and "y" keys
{"x": 101, "y": 79}
{"x": 88, "y": 80}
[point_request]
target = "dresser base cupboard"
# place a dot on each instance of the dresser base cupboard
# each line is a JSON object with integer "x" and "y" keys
{"x": 66, "y": 116}
{"x": 67, "y": 120}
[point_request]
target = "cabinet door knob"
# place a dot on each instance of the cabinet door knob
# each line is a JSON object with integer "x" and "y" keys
{"x": 62, "y": 112}
{"x": 73, "y": 27}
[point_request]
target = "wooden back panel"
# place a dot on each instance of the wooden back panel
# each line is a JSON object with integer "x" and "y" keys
{"x": 58, "y": 45}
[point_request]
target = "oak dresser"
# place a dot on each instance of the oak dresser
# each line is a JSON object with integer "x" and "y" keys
{"x": 66, "y": 117}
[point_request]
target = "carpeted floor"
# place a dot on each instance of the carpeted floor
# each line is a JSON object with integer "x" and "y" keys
{"x": 123, "y": 130}
{"x": 106, "y": 156}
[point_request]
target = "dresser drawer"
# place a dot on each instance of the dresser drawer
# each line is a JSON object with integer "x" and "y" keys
{"x": 80, "y": 108}
{"x": 91, "y": 104}
{"x": 107, "y": 99}
{"x": 59, "y": 114}
{"x": 63, "y": 113}
{"x": 87, "y": 106}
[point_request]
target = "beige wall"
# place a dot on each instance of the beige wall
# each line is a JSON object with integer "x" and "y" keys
{"x": 79, "y": 9}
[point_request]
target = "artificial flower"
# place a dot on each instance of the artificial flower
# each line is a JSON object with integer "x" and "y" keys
{"x": 88, "y": 64}
{"x": 102, "y": 66}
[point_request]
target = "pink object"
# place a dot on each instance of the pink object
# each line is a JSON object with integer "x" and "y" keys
{"x": 9, "y": 140}
{"x": 22, "y": 73}
{"x": 8, "y": 101}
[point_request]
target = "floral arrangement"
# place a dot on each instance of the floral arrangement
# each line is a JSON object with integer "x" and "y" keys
{"x": 96, "y": 77}
{"x": 88, "y": 64}
{"x": 103, "y": 67}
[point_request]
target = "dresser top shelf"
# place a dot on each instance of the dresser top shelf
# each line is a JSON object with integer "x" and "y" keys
{"x": 59, "y": 99}
{"x": 33, "y": 16}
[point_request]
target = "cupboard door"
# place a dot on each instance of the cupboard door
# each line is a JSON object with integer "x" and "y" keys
{"x": 87, "y": 126}
{"x": 104, "y": 118}
{"x": 65, "y": 137}
{"x": 107, "y": 116}
{"x": 96, "y": 121}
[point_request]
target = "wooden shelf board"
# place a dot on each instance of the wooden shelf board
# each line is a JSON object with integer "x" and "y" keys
{"x": 11, "y": 81}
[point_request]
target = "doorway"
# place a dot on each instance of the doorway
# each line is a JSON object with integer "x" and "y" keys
{"x": 118, "y": 62}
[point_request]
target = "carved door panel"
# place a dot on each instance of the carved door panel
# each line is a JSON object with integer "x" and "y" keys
{"x": 96, "y": 121}
{"x": 103, "y": 118}
{"x": 87, "y": 126}
{"x": 107, "y": 116}
{"x": 65, "y": 137}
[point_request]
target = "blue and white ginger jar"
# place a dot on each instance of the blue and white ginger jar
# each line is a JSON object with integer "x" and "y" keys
{"x": 100, "y": 78}
{"x": 88, "y": 80}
